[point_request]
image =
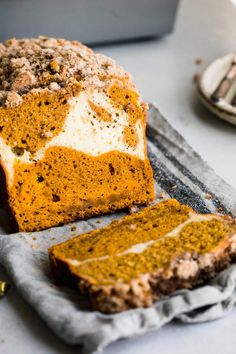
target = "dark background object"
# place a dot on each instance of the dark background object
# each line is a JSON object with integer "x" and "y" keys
{"x": 90, "y": 21}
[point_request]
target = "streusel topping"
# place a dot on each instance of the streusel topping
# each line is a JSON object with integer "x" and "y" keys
{"x": 51, "y": 64}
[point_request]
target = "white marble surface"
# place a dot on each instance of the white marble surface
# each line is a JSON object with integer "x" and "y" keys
{"x": 163, "y": 71}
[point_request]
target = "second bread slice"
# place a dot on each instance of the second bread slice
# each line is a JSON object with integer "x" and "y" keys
{"x": 135, "y": 261}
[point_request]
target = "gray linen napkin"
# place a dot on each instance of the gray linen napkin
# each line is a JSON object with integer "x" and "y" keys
{"x": 180, "y": 173}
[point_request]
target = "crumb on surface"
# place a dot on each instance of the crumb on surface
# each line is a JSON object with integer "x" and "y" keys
{"x": 196, "y": 78}
{"x": 198, "y": 61}
{"x": 162, "y": 195}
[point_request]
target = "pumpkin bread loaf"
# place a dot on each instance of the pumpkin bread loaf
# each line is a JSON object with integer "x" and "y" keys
{"x": 72, "y": 133}
{"x": 136, "y": 261}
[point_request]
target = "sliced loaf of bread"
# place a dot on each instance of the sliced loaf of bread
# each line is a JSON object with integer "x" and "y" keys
{"x": 72, "y": 133}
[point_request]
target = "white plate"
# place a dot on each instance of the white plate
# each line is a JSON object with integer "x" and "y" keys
{"x": 209, "y": 81}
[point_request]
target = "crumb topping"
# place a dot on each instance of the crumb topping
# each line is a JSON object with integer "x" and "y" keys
{"x": 51, "y": 64}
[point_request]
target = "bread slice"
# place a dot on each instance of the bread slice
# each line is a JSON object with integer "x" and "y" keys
{"x": 136, "y": 261}
{"x": 72, "y": 133}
